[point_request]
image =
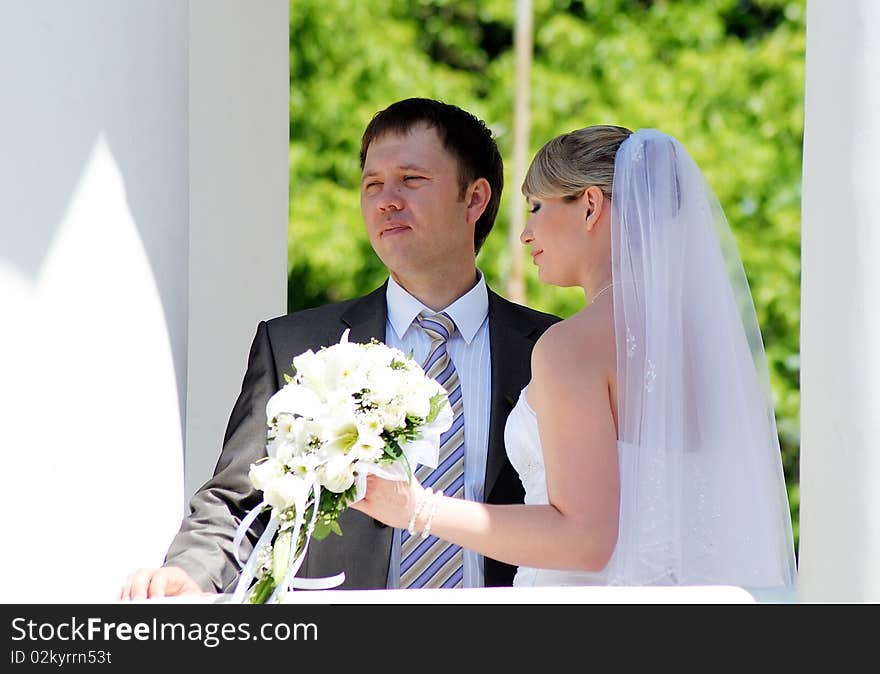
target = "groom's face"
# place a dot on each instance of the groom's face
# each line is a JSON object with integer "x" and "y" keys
{"x": 412, "y": 203}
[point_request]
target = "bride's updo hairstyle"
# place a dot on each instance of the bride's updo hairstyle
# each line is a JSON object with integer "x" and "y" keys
{"x": 568, "y": 164}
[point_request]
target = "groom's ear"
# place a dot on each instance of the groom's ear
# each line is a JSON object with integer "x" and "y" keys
{"x": 477, "y": 198}
{"x": 594, "y": 202}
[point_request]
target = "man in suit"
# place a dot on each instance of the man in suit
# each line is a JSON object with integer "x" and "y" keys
{"x": 431, "y": 185}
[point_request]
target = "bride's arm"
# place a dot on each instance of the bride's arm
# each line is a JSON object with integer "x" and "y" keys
{"x": 578, "y": 530}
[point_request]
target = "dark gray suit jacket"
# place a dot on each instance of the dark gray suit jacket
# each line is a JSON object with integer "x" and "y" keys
{"x": 203, "y": 546}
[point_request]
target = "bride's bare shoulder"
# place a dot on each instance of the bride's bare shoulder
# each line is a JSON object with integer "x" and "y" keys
{"x": 586, "y": 339}
{"x": 573, "y": 360}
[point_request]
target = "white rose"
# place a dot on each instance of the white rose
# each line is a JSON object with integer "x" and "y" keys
{"x": 285, "y": 491}
{"x": 384, "y": 384}
{"x": 278, "y": 448}
{"x": 291, "y": 429}
{"x": 265, "y": 472}
{"x": 415, "y": 402}
{"x": 380, "y": 355}
{"x": 393, "y": 415}
{"x": 336, "y": 474}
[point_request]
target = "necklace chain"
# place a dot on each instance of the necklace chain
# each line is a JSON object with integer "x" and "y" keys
{"x": 600, "y": 292}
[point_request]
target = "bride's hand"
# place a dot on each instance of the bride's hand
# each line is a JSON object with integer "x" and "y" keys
{"x": 392, "y": 502}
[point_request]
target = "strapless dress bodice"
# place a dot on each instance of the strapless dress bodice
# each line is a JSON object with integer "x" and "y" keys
{"x": 523, "y": 446}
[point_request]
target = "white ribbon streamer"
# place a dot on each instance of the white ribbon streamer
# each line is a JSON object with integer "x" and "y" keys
{"x": 247, "y": 575}
{"x": 289, "y": 581}
{"x": 327, "y": 583}
{"x": 294, "y": 539}
{"x": 243, "y": 527}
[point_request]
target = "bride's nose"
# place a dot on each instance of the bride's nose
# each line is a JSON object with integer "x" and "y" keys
{"x": 526, "y": 237}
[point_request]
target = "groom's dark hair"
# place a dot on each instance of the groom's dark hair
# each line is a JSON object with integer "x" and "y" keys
{"x": 465, "y": 137}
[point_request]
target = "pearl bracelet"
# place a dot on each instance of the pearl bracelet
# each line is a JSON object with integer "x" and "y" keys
{"x": 432, "y": 512}
{"x": 417, "y": 511}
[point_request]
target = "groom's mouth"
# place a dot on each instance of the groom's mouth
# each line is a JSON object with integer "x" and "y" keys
{"x": 392, "y": 228}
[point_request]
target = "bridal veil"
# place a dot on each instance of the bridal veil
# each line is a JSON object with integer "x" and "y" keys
{"x": 703, "y": 498}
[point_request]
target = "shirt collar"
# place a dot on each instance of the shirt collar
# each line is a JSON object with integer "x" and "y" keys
{"x": 468, "y": 311}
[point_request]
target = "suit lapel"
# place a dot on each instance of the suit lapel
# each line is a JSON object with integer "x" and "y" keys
{"x": 367, "y": 316}
{"x": 510, "y": 341}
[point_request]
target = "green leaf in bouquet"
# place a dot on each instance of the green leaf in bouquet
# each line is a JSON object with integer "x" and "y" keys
{"x": 324, "y": 528}
{"x": 436, "y": 405}
{"x": 287, "y": 378}
{"x": 392, "y": 448}
{"x": 411, "y": 429}
{"x": 394, "y": 452}
{"x": 263, "y": 589}
{"x": 332, "y": 505}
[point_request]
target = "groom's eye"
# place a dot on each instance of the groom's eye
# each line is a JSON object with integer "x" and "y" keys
{"x": 411, "y": 178}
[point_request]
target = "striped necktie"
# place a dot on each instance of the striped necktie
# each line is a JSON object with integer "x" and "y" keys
{"x": 431, "y": 562}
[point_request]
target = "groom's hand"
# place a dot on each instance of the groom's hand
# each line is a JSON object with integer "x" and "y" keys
{"x": 166, "y": 581}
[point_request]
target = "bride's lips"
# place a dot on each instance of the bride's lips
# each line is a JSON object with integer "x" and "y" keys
{"x": 535, "y": 254}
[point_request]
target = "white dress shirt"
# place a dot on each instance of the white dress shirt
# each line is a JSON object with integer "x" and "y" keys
{"x": 469, "y": 350}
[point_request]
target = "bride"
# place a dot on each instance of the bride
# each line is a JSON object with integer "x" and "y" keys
{"x": 646, "y": 438}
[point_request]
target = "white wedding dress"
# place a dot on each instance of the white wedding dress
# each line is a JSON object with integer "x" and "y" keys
{"x": 711, "y": 552}
{"x": 526, "y": 456}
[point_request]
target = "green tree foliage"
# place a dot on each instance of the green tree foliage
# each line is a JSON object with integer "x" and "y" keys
{"x": 723, "y": 76}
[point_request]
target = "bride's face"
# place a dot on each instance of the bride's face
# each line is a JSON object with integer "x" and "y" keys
{"x": 557, "y": 233}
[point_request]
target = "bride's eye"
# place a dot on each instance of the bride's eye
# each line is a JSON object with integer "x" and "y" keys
{"x": 535, "y": 207}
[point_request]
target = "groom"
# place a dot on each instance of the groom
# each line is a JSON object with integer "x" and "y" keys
{"x": 431, "y": 185}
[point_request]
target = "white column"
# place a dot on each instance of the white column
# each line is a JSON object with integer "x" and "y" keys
{"x": 239, "y": 117}
{"x": 840, "y": 320}
{"x": 106, "y": 271}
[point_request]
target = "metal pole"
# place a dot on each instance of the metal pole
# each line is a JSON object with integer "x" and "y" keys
{"x": 523, "y": 45}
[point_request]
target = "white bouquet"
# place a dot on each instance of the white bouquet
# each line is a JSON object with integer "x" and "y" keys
{"x": 349, "y": 410}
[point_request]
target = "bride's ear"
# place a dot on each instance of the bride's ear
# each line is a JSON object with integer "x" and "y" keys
{"x": 594, "y": 202}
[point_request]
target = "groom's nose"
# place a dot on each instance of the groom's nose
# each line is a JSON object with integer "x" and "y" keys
{"x": 390, "y": 199}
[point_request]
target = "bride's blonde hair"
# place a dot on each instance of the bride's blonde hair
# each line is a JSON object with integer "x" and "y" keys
{"x": 568, "y": 164}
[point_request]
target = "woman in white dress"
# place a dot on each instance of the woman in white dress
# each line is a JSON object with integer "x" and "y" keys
{"x": 646, "y": 439}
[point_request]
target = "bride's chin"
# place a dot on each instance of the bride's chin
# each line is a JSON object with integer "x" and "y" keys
{"x": 545, "y": 276}
{"x": 553, "y": 280}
